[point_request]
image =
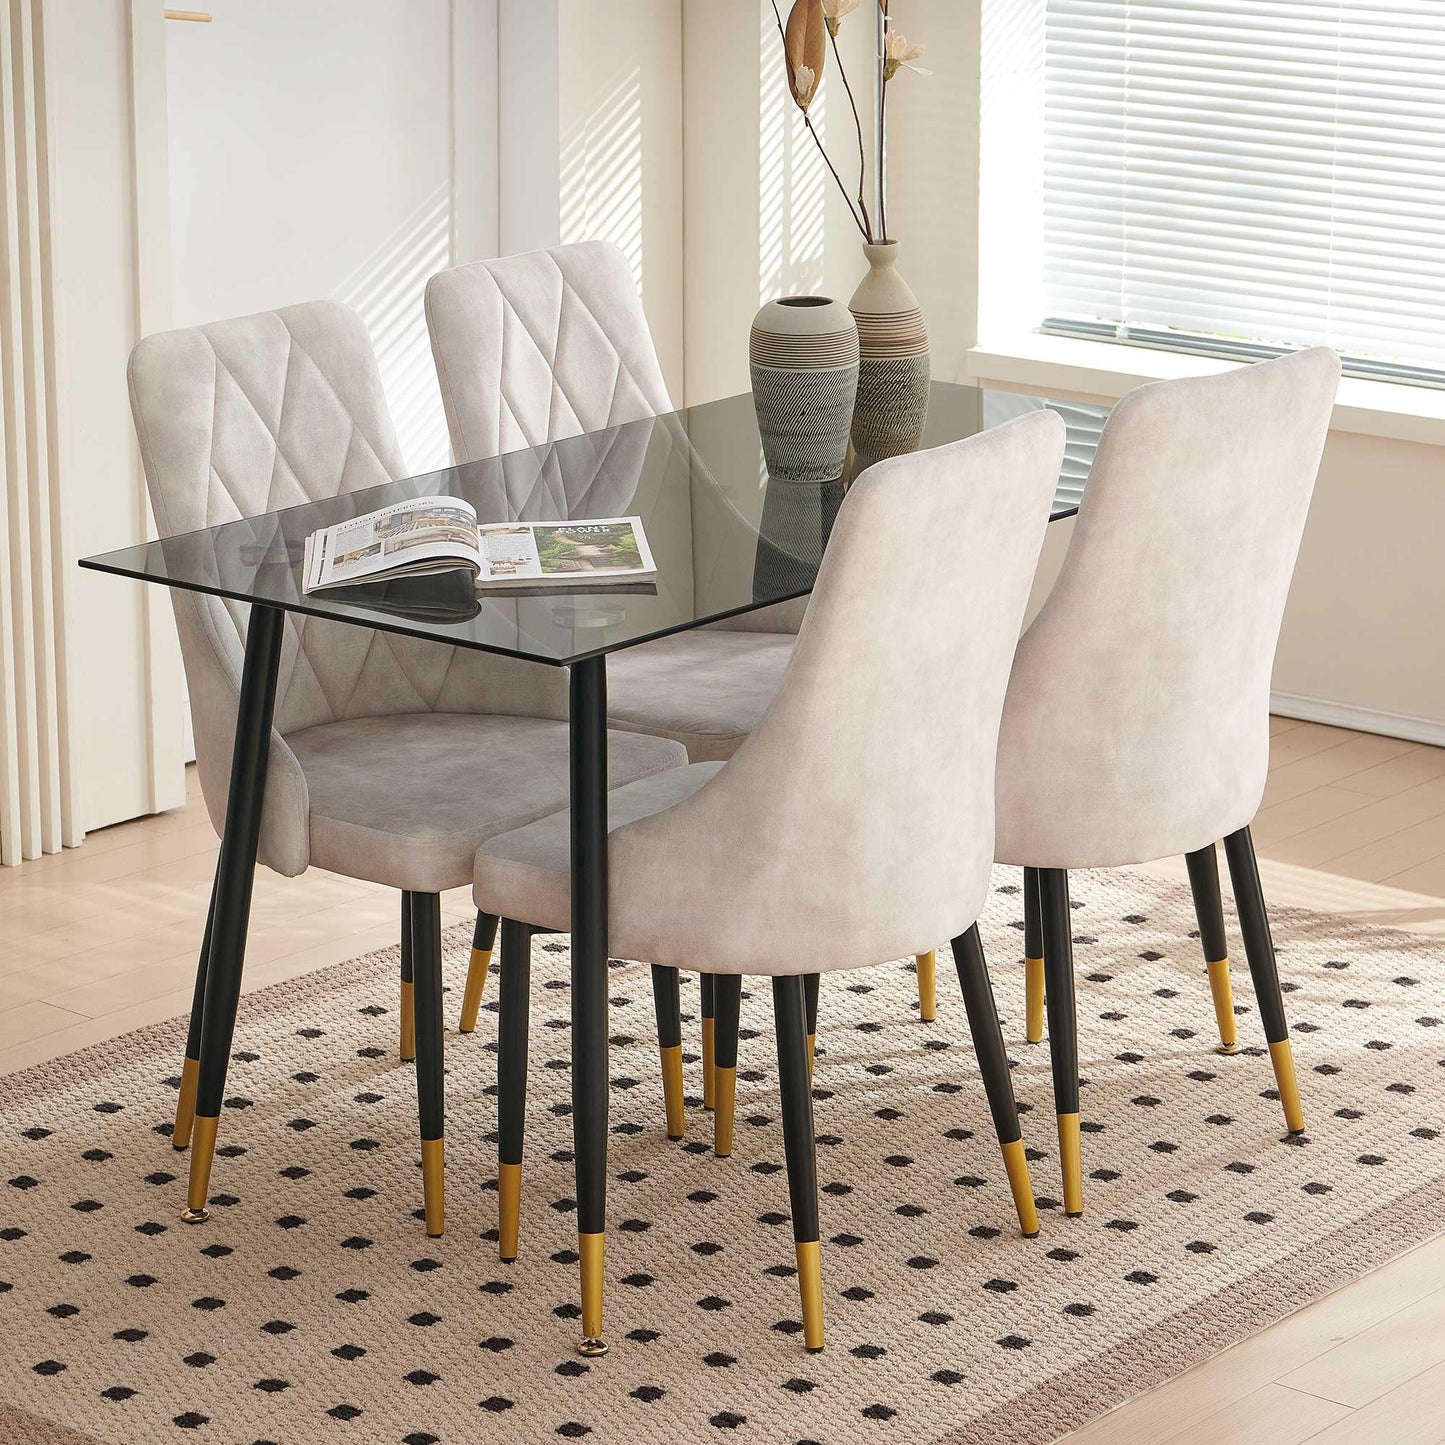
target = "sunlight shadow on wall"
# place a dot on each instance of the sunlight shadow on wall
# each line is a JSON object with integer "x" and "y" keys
{"x": 791, "y": 176}
{"x": 387, "y": 290}
{"x": 601, "y": 172}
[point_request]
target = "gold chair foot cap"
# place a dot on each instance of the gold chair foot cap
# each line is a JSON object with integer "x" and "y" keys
{"x": 592, "y": 1349}
{"x": 1228, "y": 1049}
{"x": 195, "y": 1216}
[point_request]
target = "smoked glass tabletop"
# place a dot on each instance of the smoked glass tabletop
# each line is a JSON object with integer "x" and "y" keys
{"x": 726, "y": 538}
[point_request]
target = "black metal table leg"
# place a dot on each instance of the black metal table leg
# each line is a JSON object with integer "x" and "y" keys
{"x": 588, "y": 722}
{"x": 191, "y": 1068}
{"x": 235, "y": 873}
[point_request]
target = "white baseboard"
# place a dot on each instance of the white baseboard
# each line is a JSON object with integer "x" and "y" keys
{"x": 1361, "y": 719}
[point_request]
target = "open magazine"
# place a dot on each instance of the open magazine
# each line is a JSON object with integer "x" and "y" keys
{"x": 442, "y": 534}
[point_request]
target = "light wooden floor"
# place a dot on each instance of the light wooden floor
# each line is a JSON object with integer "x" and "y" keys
{"x": 103, "y": 939}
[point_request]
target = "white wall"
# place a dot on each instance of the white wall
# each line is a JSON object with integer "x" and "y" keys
{"x": 619, "y": 96}
{"x": 311, "y": 155}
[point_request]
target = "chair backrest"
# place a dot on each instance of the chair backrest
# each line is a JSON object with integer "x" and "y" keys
{"x": 540, "y": 346}
{"x": 855, "y": 824}
{"x": 1137, "y": 720}
{"x": 550, "y": 344}
{"x": 242, "y": 417}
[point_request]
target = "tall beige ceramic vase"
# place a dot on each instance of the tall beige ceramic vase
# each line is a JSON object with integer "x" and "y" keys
{"x": 893, "y": 371}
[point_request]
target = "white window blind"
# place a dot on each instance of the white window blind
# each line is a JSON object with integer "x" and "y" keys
{"x": 1237, "y": 173}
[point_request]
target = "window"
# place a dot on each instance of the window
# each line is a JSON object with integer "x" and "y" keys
{"x": 1245, "y": 176}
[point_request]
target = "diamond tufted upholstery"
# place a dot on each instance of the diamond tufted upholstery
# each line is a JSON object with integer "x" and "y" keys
{"x": 246, "y": 416}
{"x": 551, "y": 344}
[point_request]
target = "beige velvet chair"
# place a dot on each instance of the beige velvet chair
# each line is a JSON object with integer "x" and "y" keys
{"x": 391, "y": 758}
{"x": 551, "y": 344}
{"x": 855, "y": 821}
{"x": 1137, "y": 720}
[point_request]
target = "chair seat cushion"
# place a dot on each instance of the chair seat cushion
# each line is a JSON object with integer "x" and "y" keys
{"x": 526, "y": 874}
{"x": 405, "y": 800}
{"x": 708, "y": 689}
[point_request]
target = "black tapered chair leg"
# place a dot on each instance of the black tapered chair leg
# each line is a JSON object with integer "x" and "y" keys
{"x": 1063, "y": 1029}
{"x": 790, "y": 1022}
{"x": 426, "y": 956}
{"x": 1203, "y": 865}
{"x": 1259, "y": 950}
{"x": 988, "y": 1046}
{"x": 1033, "y": 960}
{"x": 667, "y": 1005}
{"x": 484, "y": 936}
{"x": 707, "y": 1009}
{"x": 727, "y": 995}
{"x": 191, "y": 1066}
{"x": 512, "y": 1081}
{"x": 810, "y": 999}
{"x": 408, "y": 985}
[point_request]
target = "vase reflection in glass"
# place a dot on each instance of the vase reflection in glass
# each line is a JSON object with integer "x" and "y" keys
{"x": 893, "y": 370}
{"x": 803, "y": 361}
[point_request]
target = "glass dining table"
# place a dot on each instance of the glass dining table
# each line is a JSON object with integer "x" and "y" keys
{"x": 726, "y": 540}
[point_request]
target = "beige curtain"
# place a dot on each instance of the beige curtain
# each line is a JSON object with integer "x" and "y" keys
{"x": 37, "y": 794}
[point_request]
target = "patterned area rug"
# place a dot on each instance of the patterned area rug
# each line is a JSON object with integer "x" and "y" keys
{"x": 313, "y": 1308}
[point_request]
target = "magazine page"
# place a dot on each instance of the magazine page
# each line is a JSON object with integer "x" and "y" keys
{"x": 584, "y": 553}
{"x": 429, "y": 534}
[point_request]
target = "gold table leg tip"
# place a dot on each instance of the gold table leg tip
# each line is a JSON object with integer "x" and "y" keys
{"x": 195, "y": 1216}
{"x": 592, "y": 1348}
{"x": 1228, "y": 1049}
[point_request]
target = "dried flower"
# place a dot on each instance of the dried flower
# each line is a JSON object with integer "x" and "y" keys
{"x": 899, "y": 54}
{"x": 805, "y": 46}
{"x": 835, "y": 10}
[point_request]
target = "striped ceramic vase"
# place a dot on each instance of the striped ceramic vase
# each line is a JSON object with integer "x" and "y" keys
{"x": 803, "y": 359}
{"x": 892, "y": 403}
